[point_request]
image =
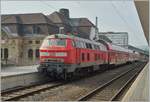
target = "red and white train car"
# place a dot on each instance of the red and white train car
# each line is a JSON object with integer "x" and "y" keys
{"x": 64, "y": 55}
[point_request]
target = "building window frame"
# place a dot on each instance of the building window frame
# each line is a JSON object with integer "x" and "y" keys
{"x": 37, "y": 53}
{"x": 30, "y": 53}
{"x": 37, "y": 41}
{"x": 1, "y": 53}
{"x": 6, "y": 53}
{"x": 30, "y": 41}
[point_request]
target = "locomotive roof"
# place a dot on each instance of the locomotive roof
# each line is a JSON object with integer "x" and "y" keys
{"x": 78, "y": 39}
{"x": 107, "y": 45}
{"x": 71, "y": 37}
{"x": 115, "y": 47}
{"x": 119, "y": 48}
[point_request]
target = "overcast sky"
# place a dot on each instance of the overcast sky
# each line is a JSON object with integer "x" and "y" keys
{"x": 117, "y": 16}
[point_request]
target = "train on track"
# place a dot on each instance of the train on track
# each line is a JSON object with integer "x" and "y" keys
{"x": 63, "y": 56}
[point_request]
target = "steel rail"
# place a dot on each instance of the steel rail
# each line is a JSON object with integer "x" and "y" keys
{"x": 93, "y": 92}
{"x": 125, "y": 85}
{"x": 30, "y": 92}
{"x": 3, "y": 92}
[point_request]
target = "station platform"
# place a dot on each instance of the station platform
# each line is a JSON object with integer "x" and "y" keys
{"x": 15, "y": 70}
{"x": 13, "y": 77}
{"x": 139, "y": 90}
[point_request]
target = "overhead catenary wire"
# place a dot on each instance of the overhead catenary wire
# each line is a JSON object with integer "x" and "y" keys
{"x": 124, "y": 20}
{"x": 48, "y": 5}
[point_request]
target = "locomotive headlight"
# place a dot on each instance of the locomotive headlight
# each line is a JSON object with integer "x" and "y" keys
{"x": 61, "y": 54}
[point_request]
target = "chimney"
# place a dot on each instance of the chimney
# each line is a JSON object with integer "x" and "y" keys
{"x": 65, "y": 12}
{"x": 96, "y": 22}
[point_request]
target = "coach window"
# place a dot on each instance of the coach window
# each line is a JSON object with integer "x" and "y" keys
{"x": 37, "y": 53}
{"x": 88, "y": 56}
{"x": 5, "y": 53}
{"x": 83, "y": 57}
{"x": 30, "y": 53}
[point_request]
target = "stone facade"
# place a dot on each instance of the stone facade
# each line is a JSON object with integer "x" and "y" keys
{"x": 20, "y": 51}
{"x": 10, "y": 50}
{"x": 22, "y": 34}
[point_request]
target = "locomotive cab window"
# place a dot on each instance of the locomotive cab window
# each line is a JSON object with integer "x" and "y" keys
{"x": 55, "y": 42}
{"x": 73, "y": 44}
{"x": 78, "y": 44}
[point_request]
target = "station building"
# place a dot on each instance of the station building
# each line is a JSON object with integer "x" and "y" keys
{"x": 22, "y": 34}
{"x": 117, "y": 38}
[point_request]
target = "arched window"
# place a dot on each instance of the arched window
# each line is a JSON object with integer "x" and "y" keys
{"x": 30, "y": 53}
{"x": 6, "y": 53}
{"x": 37, "y": 53}
{"x": 1, "y": 53}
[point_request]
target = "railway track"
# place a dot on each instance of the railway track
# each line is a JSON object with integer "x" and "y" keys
{"x": 111, "y": 90}
{"x": 17, "y": 94}
{"x": 25, "y": 92}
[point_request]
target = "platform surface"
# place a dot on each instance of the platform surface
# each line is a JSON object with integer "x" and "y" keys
{"x": 7, "y": 71}
{"x": 139, "y": 91}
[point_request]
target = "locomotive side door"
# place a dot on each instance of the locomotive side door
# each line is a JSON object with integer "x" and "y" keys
{"x": 77, "y": 52}
{"x": 78, "y": 56}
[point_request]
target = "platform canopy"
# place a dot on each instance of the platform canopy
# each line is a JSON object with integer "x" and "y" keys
{"x": 142, "y": 7}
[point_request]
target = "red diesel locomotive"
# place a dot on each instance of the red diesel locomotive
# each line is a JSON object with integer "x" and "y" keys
{"x": 63, "y": 56}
